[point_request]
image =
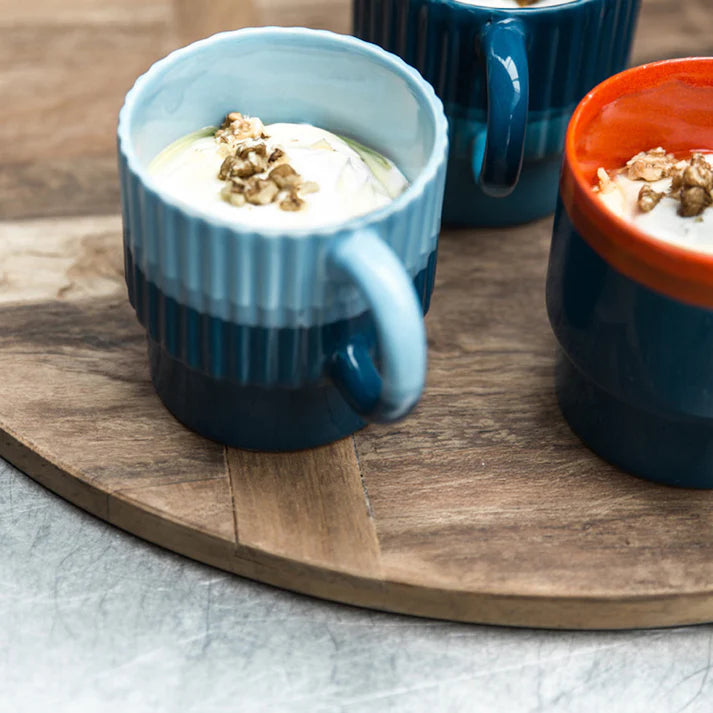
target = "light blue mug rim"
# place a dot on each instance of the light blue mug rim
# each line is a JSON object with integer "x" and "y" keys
{"x": 413, "y": 193}
{"x": 516, "y": 10}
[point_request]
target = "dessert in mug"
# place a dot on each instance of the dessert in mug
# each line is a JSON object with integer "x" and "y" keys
{"x": 277, "y": 176}
{"x": 514, "y": 4}
{"x": 668, "y": 197}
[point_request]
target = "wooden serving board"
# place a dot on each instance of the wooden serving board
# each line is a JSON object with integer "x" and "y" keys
{"x": 480, "y": 507}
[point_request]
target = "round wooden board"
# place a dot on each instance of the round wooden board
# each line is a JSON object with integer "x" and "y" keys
{"x": 481, "y": 507}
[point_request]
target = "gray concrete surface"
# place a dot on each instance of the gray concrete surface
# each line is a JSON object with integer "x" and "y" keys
{"x": 93, "y": 619}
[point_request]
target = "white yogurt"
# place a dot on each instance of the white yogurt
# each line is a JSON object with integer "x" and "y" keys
{"x": 352, "y": 179}
{"x": 663, "y": 222}
{"x": 512, "y": 5}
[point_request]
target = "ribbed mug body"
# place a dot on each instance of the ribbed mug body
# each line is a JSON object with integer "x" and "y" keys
{"x": 241, "y": 324}
{"x": 570, "y": 48}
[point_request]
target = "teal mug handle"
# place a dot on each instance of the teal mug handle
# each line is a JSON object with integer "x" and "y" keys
{"x": 366, "y": 261}
{"x": 498, "y": 152}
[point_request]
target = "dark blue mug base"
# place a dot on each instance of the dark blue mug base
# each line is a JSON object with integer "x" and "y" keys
{"x": 251, "y": 417}
{"x": 197, "y": 371}
{"x": 535, "y": 196}
{"x": 665, "y": 448}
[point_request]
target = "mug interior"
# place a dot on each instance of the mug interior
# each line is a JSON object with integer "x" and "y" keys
{"x": 668, "y": 104}
{"x": 334, "y": 82}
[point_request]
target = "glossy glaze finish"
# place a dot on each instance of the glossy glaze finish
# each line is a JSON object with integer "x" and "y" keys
{"x": 293, "y": 411}
{"x": 499, "y": 153}
{"x": 632, "y": 319}
{"x": 570, "y": 48}
{"x": 680, "y": 90}
{"x": 278, "y": 389}
{"x": 296, "y": 282}
{"x": 365, "y": 260}
{"x": 634, "y": 378}
{"x": 281, "y": 356}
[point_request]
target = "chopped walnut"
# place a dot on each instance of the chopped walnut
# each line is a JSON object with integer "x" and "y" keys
{"x": 606, "y": 185}
{"x": 252, "y": 150}
{"x": 698, "y": 173}
{"x": 291, "y": 203}
{"x": 285, "y": 176}
{"x": 237, "y": 127}
{"x": 694, "y": 200}
{"x": 648, "y": 199}
{"x": 248, "y": 158}
{"x": 692, "y": 185}
{"x": 691, "y": 180}
{"x": 652, "y": 165}
{"x": 234, "y": 193}
{"x": 234, "y": 166}
{"x": 677, "y": 176}
{"x": 261, "y": 192}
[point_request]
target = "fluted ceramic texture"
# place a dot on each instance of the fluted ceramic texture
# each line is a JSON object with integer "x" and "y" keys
{"x": 570, "y": 48}
{"x": 256, "y": 280}
{"x": 261, "y": 308}
{"x": 259, "y": 356}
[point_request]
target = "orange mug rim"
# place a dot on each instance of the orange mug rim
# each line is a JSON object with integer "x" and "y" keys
{"x": 677, "y": 271}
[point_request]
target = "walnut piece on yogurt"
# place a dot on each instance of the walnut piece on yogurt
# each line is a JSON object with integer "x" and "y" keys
{"x": 606, "y": 185}
{"x": 691, "y": 180}
{"x": 255, "y": 172}
{"x": 692, "y": 185}
{"x": 650, "y": 166}
{"x": 649, "y": 199}
{"x": 237, "y": 128}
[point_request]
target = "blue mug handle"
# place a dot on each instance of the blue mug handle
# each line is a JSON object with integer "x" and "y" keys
{"x": 366, "y": 261}
{"x": 498, "y": 152}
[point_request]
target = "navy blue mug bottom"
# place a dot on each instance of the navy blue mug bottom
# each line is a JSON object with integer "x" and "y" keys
{"x": 666, "y": 448}
{"x": 251, "y": 417}
{"x": 297, "y": 407}
{"x": 535, "y": 195}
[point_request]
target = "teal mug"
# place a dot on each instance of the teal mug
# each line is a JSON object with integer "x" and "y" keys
{"x": 510, "y": 80}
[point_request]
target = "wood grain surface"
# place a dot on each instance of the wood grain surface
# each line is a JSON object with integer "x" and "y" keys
{"x": 482, "y": 506}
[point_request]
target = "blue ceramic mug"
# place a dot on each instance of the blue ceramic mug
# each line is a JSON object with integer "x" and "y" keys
{"x": 633, "y": 315}
{"x": 509, "y": 79}
{"x": 281, "y": 340}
